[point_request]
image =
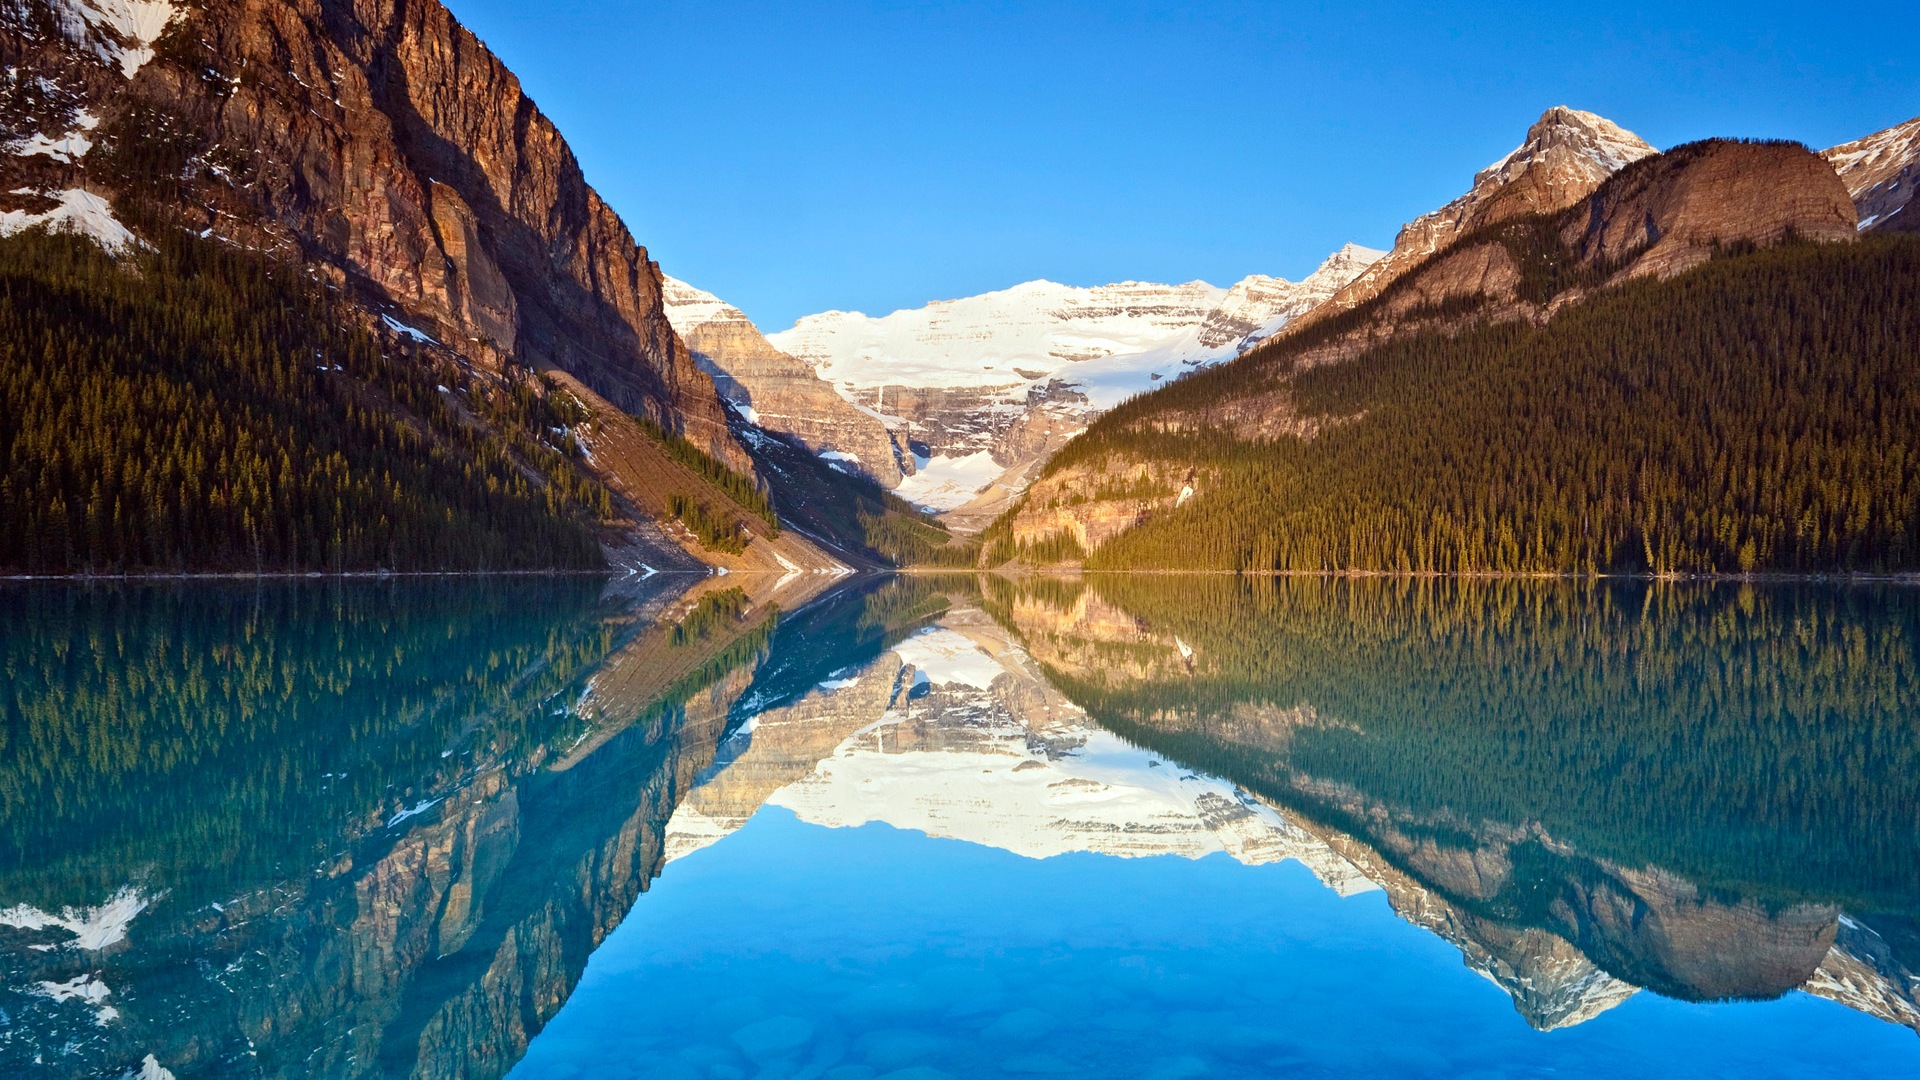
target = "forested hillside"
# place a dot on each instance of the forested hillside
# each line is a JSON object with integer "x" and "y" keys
{"x": 190, "y": 406}
{"x": 1758, "y": 413}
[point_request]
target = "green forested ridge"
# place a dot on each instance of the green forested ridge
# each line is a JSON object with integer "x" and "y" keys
{"x": 169, "y": 411}
{"x": 1760, "y": 739}
{"x": 1759, "y": 413}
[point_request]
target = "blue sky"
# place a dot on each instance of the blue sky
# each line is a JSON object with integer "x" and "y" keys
{"x": 798, "y": 157}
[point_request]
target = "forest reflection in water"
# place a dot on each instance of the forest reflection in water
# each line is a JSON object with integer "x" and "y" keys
{"x": 380, "y": 830}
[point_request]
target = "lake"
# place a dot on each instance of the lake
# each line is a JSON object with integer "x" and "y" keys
{"x": 919, "y": 827}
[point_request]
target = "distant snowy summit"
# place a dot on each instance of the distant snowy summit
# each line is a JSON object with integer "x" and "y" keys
{"x": 944, "y": 401}
{"x": 1112, "y": 340}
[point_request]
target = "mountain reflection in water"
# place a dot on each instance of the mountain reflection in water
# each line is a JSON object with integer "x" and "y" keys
{"x": 958, "y": 826}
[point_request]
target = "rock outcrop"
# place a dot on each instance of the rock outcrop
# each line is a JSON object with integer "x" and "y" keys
{"x": 1881, "y": 172}
{"x": 1668, "y": 213}
{"x": 780, "y": 393}
{"x": 379, "y": 141}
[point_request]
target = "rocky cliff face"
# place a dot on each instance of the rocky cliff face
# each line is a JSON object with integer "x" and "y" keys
{"x": 379, "y": 141}
{"x": 779, "y": 392}
{"x": 1566, "y": 155}
{"x": 1880, "y": 172}
{"x": 1668, "y": 213}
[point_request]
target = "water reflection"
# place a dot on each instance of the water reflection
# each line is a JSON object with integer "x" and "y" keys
{"x": 337, "y": 831}
{"x": 956, "y": 826}
{"x": 1708, "y": 792}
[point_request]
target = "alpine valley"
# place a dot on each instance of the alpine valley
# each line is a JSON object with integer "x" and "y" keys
{"x": 314, "y": 286}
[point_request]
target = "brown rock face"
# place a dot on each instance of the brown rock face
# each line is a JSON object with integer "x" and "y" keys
{"x": 381, "y": 141}
{"x": 1666, "y": 214}
{"x": 782, "y": 393}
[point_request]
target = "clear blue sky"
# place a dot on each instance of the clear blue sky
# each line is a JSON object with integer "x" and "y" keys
{"x": 796, "y": 157}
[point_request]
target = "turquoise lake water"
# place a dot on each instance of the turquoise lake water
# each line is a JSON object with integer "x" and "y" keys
{"x": 919, "y": 827}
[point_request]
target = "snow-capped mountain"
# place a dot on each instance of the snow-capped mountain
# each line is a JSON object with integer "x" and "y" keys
{"x": 1250, "y": 312}
{"x": 973, "y": 392}
{"x": 1005, "y": 338}
{"x": 1041, "y": 332}
{"x": 1880, "y": 172}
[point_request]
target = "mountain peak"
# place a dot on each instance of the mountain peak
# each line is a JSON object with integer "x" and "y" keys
{"x": 1566, "y": 155}
{"x": 1344, "y": 265}
{"x": 1567, "y": 139}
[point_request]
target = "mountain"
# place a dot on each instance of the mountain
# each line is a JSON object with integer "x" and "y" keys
{"x": 779, "y": 393}
{"x": 381, "y": 143}
{"x": 1880, "y": 172}
{"x": 432, "y": 215}
{"x": 1517, "y": 401}
{"x": 940, "y": 402}
{"x": 1565, "y": 156}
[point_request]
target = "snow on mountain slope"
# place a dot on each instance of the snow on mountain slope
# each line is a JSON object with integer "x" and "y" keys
{"x": 121, "y": 32}
{"x": 75, "y": 211}
{"x": 1253, "y": 310}
{"x": 1004, "y": 338}
{"x": 1880, "y": 172}
{"x": 983, "y": 387}
{"x": 946, "y": 482}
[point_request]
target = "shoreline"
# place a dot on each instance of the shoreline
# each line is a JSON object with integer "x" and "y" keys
{"x": 344, "y": 575}
{"x": 1911, "y": 578}
{"x": 1904, "y": 578}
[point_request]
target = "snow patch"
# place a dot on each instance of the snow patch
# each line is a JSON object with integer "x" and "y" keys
{"x": 85, "y": 989}
{"x": 150, "y": 1069}
{"x": 80, "y": 212}
{"x": 406, "y": 331}
{"x": 122, "y": 32}
{"x": 412, "y": 812}
{"x": 93, "y": 928}
{"x": 69, "y": 148}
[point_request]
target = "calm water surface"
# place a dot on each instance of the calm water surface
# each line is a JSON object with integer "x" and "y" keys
{"x": 917, "y": 828}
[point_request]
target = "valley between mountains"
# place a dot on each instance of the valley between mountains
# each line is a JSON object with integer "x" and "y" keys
{"x": 313, "y": 286}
